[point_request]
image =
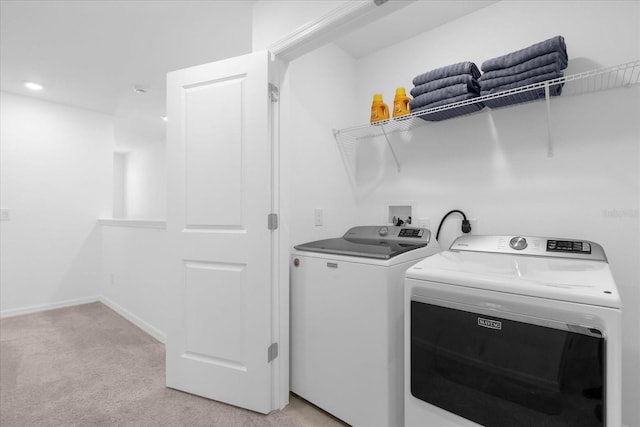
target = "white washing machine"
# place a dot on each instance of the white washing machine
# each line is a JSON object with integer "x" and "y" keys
{"x": 347, "y": 321}
{"x": 507, "y": 331}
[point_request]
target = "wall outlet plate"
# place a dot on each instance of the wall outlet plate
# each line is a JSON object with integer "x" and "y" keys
{"x": 4, "y": 215}
{"x": 424, "y": 223}
{"x": 317, "y": 217}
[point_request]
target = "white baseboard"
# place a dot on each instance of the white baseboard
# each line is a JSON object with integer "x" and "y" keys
{"x": 136, "y": 223}
{"x": 145, "y": 326}
{"x": 148, "y": 328}
{"x": 44, "y": 307}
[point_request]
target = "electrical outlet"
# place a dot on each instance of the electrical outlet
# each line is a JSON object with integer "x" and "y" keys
{"x": 472, "y": 221}
{"x": 424, "y": 223}
{"x": 4, "y": 215}
{"x": 474, "y": 226}
{"x": 317, "y": 217}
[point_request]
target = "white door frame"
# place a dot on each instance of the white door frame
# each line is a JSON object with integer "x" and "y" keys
{"x": 346, "y": 17}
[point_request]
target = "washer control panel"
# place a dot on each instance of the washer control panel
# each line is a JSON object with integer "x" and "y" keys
{"x": 416, "y": 233}
{"x": 568, "y": 246}
{"x": 532, "y": 246}
{"x": 389, "y": 233}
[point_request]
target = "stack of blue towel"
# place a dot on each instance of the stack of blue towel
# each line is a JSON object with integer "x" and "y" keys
{"x": 446, "y": 85}
{"x": 537, "y": 63}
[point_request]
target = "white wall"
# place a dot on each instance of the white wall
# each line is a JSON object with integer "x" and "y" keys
{"x": 56, "y": 180}
{"x": 139, "y": 182}
{"x": 145, "y": 182}
{"x": 493, "y": 166}
{"x": 312, "y": 105}
{"x": 118, "y": 185}
{"x": 134, "y": 274}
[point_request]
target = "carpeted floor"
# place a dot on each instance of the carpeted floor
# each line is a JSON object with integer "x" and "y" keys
{"x": 87, "y": 366}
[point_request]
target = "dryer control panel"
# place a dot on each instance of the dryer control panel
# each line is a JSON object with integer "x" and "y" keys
{"x": 531, "y": 246}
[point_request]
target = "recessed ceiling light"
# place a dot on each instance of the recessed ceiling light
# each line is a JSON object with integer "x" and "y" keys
{"x": 164, "y": 118}
{"x": 33, "y": 86}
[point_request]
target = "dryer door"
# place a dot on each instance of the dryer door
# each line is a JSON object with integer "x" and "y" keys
{"x": 503, "y": 373}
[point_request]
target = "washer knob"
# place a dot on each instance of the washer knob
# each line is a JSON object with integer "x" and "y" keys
{"x": 383, "y": 231}
{"x": 518, "y": 243}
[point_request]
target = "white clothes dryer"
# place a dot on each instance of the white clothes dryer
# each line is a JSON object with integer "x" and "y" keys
{"x": 506, "y": 331}
{"x": 347, "y": 321}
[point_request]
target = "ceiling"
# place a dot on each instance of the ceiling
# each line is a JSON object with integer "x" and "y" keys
{"x": 92, "y": 53}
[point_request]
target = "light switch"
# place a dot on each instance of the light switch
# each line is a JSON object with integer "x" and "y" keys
{"x": 4, "y": 215}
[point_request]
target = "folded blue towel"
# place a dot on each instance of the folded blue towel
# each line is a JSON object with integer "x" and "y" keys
{"x": 445, "y": 93}
{"x": 546, "y": 72}
{"x": 446, "y": 101}
{"x": 525, "y": 82}
{"x": 440, "y": 83}
{"x": 554, "y": 44}
{"x": 451, "y": 112}
{"x": 554, "y": 90}
{"x": 555, "y": 58}
{"x": 519, "y": 98}
{"x": 448, "y": 71}
{"x": 525, "y": 96}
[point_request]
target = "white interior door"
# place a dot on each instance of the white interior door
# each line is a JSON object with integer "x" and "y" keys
{"x": 220, "y": 189}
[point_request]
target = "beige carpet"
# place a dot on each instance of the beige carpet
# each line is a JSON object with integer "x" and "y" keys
{"x": 87, "y": 366}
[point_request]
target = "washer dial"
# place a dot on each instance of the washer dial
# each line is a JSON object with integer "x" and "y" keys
{"x": 518, "y": 243}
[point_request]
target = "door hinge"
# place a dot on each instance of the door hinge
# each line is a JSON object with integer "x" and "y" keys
{"x": 272, "y": 352}
{"x": 274, "y": 93}
{"x": 272, "y": 221}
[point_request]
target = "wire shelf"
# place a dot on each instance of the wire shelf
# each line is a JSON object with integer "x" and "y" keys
{"x": 624, "y": 75}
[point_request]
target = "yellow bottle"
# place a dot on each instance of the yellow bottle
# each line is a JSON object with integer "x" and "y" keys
{"x": 401, "y": 103}
{"x": 379, "y": 110}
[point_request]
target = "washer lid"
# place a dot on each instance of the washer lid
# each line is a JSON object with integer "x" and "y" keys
{"x": 379, "y": 242}
{"x": 563, "y": 279}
